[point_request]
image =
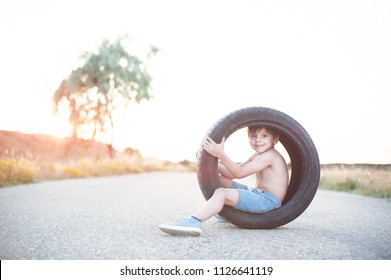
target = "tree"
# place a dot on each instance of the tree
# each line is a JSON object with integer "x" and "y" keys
{"x": 106, "y": 81}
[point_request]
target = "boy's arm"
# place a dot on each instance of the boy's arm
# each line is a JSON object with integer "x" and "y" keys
{"x": 250, "y": 159}
{"x": 237, "y": 170}
{"x": 248, "y": 169}
{"x": 224, "y": 171}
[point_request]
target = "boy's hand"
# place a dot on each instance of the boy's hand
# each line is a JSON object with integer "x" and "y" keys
{"x": 213, "y": 148}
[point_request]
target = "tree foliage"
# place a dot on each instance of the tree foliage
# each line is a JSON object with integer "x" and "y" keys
{"x": 107, "y": 80}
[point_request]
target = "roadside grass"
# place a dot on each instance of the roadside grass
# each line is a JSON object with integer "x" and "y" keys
{"x": 364, "y": 179}
{"x": 13, "y": 172}
{"x": 24, "y": 171}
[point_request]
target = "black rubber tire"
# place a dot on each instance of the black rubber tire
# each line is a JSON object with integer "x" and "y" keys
{"x": 305, "y": 167}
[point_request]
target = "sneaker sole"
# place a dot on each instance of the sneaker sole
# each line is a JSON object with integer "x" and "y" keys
{"x": 178, "y": 230}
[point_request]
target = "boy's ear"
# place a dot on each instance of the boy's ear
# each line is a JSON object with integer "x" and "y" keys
{"x": 276, "y": 139}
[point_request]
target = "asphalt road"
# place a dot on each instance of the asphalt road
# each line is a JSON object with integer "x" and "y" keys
{"x": 118, "y": 217}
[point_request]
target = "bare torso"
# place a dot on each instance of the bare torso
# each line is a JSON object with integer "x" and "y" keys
{"x": 274, "y": 178}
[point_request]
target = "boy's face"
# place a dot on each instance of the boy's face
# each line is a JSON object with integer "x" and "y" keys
{"x": 261, "y": 140}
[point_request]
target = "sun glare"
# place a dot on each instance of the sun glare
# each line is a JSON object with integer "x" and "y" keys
{"x": 60, "y": 125}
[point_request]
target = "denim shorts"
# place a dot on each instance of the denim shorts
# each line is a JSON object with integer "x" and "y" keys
{"x": 255, "y": 200}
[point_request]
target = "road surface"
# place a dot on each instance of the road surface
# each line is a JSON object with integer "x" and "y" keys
{"x": 117, "y": 217}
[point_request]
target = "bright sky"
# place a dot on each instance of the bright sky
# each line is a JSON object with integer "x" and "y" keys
{"x": 327, "y": 64}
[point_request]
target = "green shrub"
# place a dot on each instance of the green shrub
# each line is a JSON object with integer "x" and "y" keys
{"x": 347, "y": 186}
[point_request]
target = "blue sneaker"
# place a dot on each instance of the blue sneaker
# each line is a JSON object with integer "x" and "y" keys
{"x": 219, "y": 218}
{"x": 189, "y": 226}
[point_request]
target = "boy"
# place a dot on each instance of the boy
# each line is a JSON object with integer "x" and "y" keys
{"x": 270, "y": 189}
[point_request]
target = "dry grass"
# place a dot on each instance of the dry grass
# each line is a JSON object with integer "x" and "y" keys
{"x": 28, "y": 158}
{"x": 372, "y": 180}
{"x": 14, "y": 171}
{"x": 23, "y": 171}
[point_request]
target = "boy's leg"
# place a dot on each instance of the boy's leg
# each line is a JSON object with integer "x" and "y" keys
{"x": 225, "y": 182}
{"x": 216, "y": 203}
{"x": 193, "y": 225}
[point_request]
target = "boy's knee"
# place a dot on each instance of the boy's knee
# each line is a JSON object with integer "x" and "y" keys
{"x": 219, "y": 191}
{"x": 229, "y": 196}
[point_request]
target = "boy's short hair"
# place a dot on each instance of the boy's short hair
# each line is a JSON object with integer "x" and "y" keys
{"x": 255, "y": 128}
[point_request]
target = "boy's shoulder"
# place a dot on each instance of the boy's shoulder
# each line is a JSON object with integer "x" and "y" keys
{"x": 271, "y": 152}
{"x": 271, "y": 155}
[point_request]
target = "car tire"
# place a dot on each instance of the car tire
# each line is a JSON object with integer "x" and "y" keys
{"x": 305, "y": 167}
